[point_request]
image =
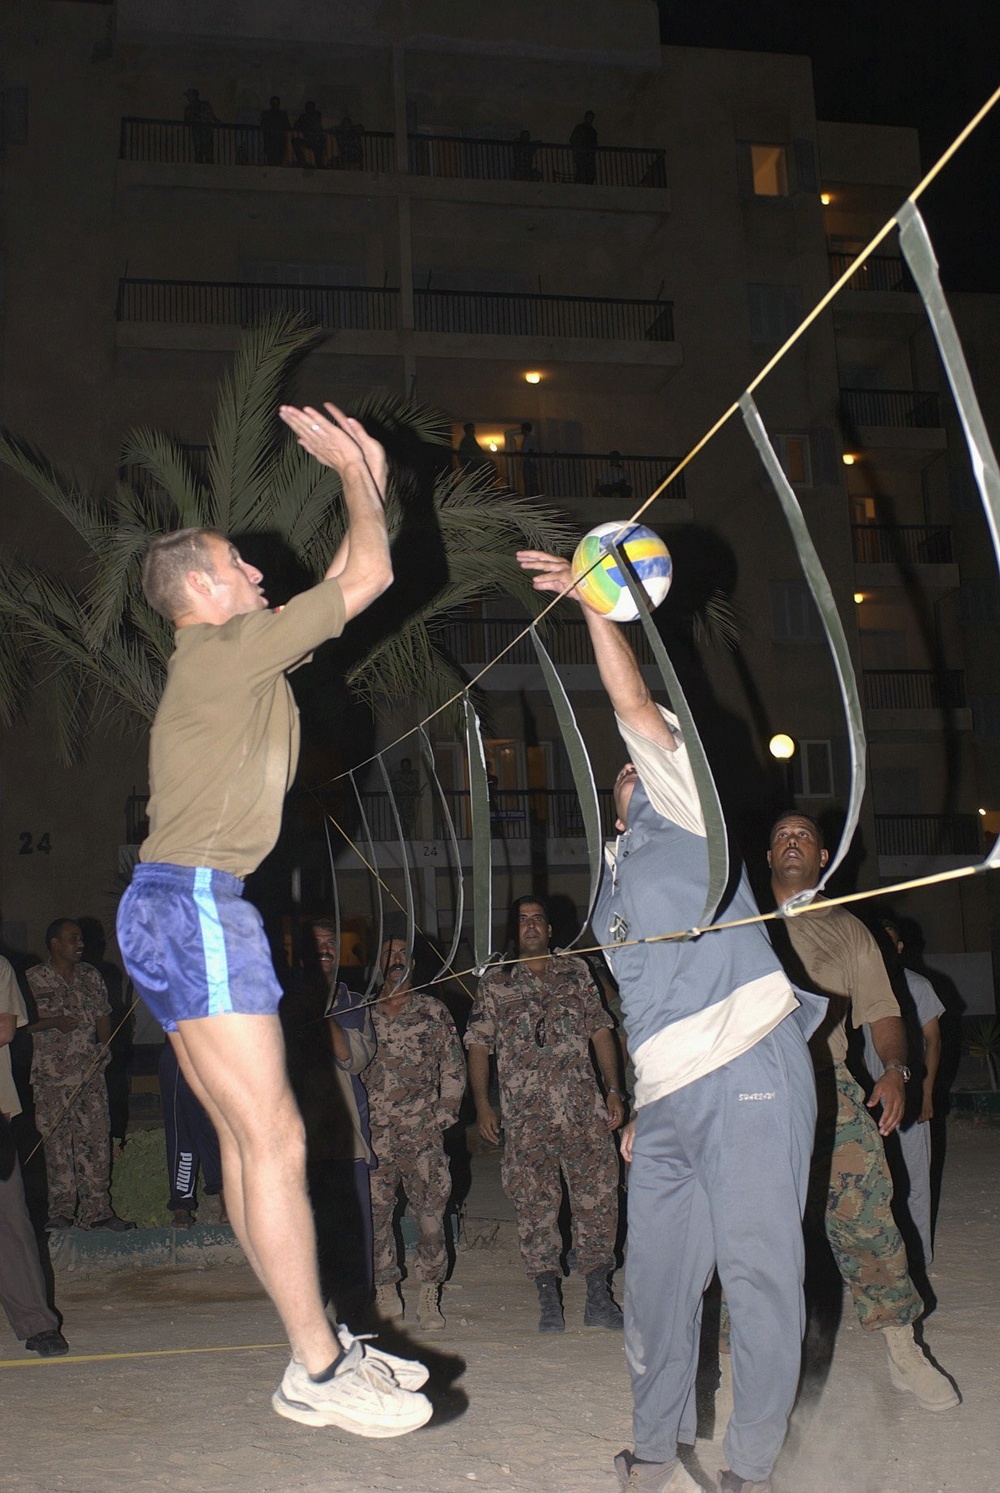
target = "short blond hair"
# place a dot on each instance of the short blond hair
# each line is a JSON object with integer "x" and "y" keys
{"x": 168, "y": 560}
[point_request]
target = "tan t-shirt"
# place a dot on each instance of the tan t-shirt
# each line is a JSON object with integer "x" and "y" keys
{"x": 11, "y": 1004}
{"x": 225, "y": 741}
{"x": 841, "y": 960}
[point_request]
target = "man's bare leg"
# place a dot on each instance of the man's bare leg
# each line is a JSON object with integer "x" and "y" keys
{"x": 236, "y": 1066}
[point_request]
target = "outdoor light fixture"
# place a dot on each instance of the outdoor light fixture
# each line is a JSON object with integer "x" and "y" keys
{"x": 825, "y": 198}
{"x": 493, "y": 445}
{"x": 859, "y": 597}
{"x": 983, "y": 812}
{"x": 532, "y": 378}
{"x": 848, "y": 459}
{"x": 781, "y": 747}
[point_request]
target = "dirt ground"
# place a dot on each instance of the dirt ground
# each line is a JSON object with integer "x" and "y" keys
{"x": 171, "y": 1370}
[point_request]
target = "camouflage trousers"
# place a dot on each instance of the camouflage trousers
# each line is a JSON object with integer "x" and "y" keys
{"x": 850, "y": 1195}
{"x": 534, "y": 1163}
{"x": 78, "y": 1151}
{"x": 425, "y": 1178}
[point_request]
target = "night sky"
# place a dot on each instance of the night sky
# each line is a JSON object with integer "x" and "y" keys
{"x": 889, "y": 62}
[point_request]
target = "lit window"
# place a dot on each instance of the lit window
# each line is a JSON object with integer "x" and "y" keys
{"x": 793, "y": 453}
{"x": 770, "y": 173}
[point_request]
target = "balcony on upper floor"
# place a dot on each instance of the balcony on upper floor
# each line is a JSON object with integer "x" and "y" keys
{"x": 474, "y": 642}
{"x": 915, "y": 699}
{"x": 153, "y": 151}
{"x": 516, "y": 815}
{"x": 886, "y": 553}
{"x": 897, "y": 420}
{"x": 918, "y": 844}
{"x": 880, "y": 296}
{"x": 583, "y": 479}
{"x": 473, "y": 325}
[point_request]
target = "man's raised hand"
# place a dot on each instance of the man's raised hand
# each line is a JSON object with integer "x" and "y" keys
{"x": 337, "y": 440}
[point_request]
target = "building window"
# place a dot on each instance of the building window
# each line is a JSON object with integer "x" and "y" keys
{"x": 794, "y": 618}
{"x": 775, "y": 311}
{"x": 796, "y": 461}
{"x": 979, "y": 603}
{"x": 986, "y": 715}
{"x": 769, "y": 170}
{"x": 813, "y": 765}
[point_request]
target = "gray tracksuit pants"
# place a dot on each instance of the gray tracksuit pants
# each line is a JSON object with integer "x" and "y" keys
{"x": 22, "y": 1285}
{"x": 718, "y": 1180}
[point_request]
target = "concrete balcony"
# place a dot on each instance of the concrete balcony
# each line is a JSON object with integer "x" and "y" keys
{"x": 475, "y": 642}
{"x": 581, "y": 479}
{"x": 920, "y": 844}
{"x": 241, "y": 157}
{"x": 886, "y": 553}
{"x": 914, "y": 699}
{"x": 880, "y": 288}
{"x": 474, "y": 326}
{"x": 900, "y": 420}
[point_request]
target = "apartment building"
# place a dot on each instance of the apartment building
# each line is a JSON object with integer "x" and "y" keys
{"x": 459, "y": 237}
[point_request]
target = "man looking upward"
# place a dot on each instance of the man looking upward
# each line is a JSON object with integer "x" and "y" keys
{"x": 725, "y": 1104}
{"x": 223, "y": 751}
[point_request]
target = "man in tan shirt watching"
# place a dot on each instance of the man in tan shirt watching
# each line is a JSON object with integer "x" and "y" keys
{"x": 223, "y": 751}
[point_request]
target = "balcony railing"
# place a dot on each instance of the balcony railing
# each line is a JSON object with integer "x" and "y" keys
{"x": 913, "y": 689}
{"x": 477, "y": 640}
{"x": 891, "y": 407}
{"x": 886, "y": 272}
{"x": 928, "y": 834}
{"x": 535, "y": 160}
{"x": 239, "y": 303}
{"x": 508, "y": 314}
{"x": 561, "y": 474}
{"x": 892, "y": 544}
{"x": 514, "y": 815}
{"x": 352, "y": 148}
{"x": 172, "y": 142}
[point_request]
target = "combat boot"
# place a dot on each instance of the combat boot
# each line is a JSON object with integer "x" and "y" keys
{"x": 913, "y": 1373}
{"x": 429, "y": 1315}
{"x": 731, "y": 1482}
{"x": 601, "y": 1309}
{"x": 653, "y": 1477}
{"x": 550, "y": 1318}
{"x": 388, "y": 1302}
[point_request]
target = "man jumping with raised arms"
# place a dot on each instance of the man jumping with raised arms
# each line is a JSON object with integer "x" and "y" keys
{"x": 724, "y": 1098}
{"x": 223, "y": 752}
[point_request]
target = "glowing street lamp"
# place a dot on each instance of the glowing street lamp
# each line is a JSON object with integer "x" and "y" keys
{"x": 782, "y": 749}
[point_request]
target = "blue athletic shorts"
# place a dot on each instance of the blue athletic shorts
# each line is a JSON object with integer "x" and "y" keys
{"x": 193, "y": 947}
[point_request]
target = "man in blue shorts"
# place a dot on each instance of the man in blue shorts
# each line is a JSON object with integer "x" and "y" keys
{"x": 223, "y": 752}
{"x": 725, "y": 1104}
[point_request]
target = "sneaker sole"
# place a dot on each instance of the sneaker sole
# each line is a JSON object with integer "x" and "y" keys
{"x": 330, "y": 1415}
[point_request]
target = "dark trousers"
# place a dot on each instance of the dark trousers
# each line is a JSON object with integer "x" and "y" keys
{"x": 22, "y": 1285}
{"x": 192, "y": 1143}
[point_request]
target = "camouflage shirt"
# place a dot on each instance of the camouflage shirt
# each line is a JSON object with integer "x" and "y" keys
{"x": 540, "y": 1027}
{"x": 416, "y": 1079}
{"x": 62, "y": 1058}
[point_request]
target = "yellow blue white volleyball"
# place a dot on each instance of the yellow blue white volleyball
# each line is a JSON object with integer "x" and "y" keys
{"x": 603, "y": 587}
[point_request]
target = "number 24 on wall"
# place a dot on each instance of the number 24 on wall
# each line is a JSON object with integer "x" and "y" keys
{"x": 28, "y": 845}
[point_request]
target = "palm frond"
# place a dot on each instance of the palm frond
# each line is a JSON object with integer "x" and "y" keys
{"x": 184, "y": 503}
{"x": 70, "y": 501}
{"x": 717, "y": 622}
{"x": 245, "y": 430}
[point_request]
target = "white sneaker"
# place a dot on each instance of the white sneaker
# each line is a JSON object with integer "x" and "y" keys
{"x": 362, "y": 1397}
{"x": 409, "y": 1373}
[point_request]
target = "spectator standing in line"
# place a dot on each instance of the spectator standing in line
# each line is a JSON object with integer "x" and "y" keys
{"x": 191, "y": 1142}
{"x": 200, "y": 117}
{"x": 415, "y": 1088}
{"x": 583, "y": 143}
{"x": 908, "y": 1149}
{"x": 22, "y": 1285}
{"x": 274, "y": 128}
{"x": 539, "y": 1014}
{"x": 67, "y": 1080}
{"x": 309, "y": 136}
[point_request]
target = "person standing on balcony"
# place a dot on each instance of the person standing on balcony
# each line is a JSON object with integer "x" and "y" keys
{"x": 200, "y": 118}
{"x": 583, "y": 144}
{"x": 223, "y": 751}
{"x": 274, "y": 128}
{"x": 540, "y": 1014}
{"x": 725, "y": 1103}
{"x": 309, "y": 136}
{"x": 850, "y": 1192}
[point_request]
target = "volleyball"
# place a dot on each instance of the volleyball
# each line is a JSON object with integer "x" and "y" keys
{"x": 603, "y": 586}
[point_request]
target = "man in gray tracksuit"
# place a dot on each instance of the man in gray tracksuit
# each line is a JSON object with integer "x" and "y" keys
{"x": 726, "y": 1105}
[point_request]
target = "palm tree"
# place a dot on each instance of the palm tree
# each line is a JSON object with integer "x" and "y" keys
{"x": 105, "y": 651}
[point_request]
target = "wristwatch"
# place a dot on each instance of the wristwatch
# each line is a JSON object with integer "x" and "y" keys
{"x": 900, "y": 1068}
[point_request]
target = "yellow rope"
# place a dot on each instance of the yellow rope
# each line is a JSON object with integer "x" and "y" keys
{"x": 34, "y": 1363}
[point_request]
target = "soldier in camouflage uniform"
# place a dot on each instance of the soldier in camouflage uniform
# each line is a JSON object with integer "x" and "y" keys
{"x": 834, "y": 953}
{"x": 70, "y": 1045}
{"x": 539, "y": 1015}
{"x": 415, "y": 1086}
